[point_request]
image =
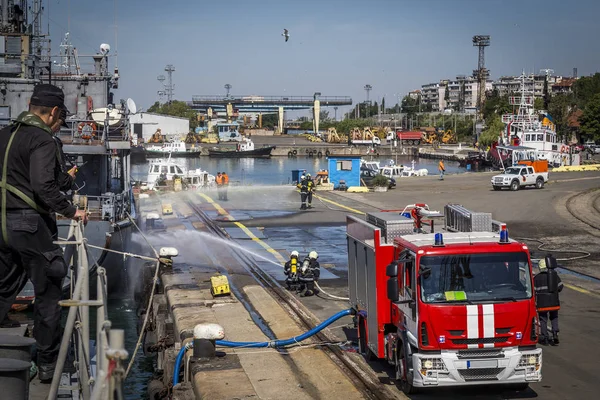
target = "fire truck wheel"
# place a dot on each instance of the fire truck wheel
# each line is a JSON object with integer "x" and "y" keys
{"x": 362, "y": 340}
{"x": 405, "y": 385}
{"x": 514, "y": 186}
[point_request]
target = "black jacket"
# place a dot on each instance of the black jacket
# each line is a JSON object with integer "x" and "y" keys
{"x": 303, "y": 186}
{"x": 547, "y": 285}
{"x": 65, "y": 181}
{"x": 32, "y": 166}
{"x": 313, "y": 272}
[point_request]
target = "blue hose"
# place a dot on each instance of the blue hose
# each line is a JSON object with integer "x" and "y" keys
{"x": 275, "y": 343}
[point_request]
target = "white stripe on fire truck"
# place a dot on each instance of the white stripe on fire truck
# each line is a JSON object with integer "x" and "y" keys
{"x": 489, "y": 328}
{"x": 472, "y": 325}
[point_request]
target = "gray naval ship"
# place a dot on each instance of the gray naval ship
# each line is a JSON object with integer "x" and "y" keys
{"x": 97, "y": 137}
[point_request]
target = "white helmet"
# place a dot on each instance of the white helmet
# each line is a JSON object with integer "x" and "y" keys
{"x": 313, "y": 255}
{"x": 302, "y": 177}
{"x": 295, "y": 254}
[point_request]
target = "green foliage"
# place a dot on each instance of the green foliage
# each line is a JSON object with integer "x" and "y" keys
{"x": 409, "y": 106}
{"x": 560, "y": 107}
{"x": 496, "y": 105}
{"x": 492, "y": 132}
{"x": 269, "y": 121}
{"x": 538, "y": 104}
{"x": 585, "y": 88}
{"x": 380, "y": 180}
{"x": 176, "y": 109}
{"x": 590, "y": 120}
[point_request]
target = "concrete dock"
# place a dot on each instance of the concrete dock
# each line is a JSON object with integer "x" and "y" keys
{"x": 563, "y": 218}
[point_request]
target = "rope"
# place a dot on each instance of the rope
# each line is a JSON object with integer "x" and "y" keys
{"x": 585, "y": 254}
{"x": 330, "y": 295}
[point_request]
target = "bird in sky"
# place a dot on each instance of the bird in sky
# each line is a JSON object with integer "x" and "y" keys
{"x": 285, "y": 34}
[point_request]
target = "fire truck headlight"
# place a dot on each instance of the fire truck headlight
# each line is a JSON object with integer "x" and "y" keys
{"x": 428, "y": 364}
{"x": 532, "y": 360}
{"x": 529, "y": 361}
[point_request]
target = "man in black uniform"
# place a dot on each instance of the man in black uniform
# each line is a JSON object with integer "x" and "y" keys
{"x": 30, "y": 197}
{"x": 547, "y": 285}
{"x": 303, "y": 186}
{"x": 66, "y": 178}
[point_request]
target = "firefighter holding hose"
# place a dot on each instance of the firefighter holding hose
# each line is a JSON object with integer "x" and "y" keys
{"x": 309, "y": 274}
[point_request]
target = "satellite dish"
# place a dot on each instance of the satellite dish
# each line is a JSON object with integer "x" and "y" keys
{"x": 131, "y": 106}
{"x": 104, "y": 48}
{"x": 99, "y": 116}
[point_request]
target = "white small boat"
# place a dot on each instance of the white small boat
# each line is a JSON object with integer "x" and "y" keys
{"x": 401, "y": 171}
{"x": 165, "y": 170}
{"x": 373, "y": 165}
{"x": 174, "y": 148}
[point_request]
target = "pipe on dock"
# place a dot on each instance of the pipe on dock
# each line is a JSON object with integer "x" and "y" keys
{"x": 274, "y": 343}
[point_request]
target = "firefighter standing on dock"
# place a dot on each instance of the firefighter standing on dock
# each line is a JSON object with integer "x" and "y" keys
{"x": 291, "y": 271}
{"x": 309, "y": 274}
{"x": 310, "y": 184}
{"x": 547, "y": 285}
{"x": 30, "y": 198}
{"x": 303, "y": 186}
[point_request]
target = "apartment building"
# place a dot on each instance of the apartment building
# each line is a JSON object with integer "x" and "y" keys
{"x": 433, "y": 94}
{"x": 512, "y": 84}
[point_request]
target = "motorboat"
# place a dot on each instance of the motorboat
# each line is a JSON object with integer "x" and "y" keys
{"x": 174, "y": 148}
{"x": 373, "y": 165}
{"x": 162, "y": 172}
{"x": 244, "y": 149}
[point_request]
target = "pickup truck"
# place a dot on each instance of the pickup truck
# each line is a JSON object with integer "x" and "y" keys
{"x": 373, "y": 142}
{"x": 518, "y": 176}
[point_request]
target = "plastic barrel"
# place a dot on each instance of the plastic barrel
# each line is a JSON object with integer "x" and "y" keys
{"x": 14, "y": 378}
{"x": 468, "y": 167}
{"x": 16, "y": 347}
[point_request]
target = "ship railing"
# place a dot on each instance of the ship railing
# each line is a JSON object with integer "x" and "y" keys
{"x": 108, "y": 374}
{"x": 104, "y": 207}
{"x": 85, "y": 131}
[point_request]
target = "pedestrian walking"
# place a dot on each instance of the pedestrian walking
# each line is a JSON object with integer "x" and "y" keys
{"x": 548, "y": 285}
{"x": 442, "y": 169}
{"x": 31, "y": 196}
{"x": 225, "y": 184}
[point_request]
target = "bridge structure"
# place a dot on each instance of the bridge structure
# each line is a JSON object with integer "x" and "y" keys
{"x": 264, "y": 104}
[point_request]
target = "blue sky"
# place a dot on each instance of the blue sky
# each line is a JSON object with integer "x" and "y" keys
{"x": 336, "y": 46}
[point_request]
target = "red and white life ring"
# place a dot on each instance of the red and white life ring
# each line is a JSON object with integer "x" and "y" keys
{"x": 87, "y": 130}
{"x": 563, "y": 149}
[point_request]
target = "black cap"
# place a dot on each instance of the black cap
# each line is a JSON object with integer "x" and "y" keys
{"x": 48, "y": 96}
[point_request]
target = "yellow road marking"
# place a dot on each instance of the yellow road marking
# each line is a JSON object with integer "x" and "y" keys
{"x": 582, "y": 290}
{"x": 339, "y": 205}
{"x": 247, "y": 231}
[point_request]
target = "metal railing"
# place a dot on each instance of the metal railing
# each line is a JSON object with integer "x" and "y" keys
{"x": 270, "y": 99}
{"x": 110, "y": 350}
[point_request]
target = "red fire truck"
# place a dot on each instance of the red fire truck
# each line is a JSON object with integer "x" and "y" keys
{"x": 448, "y": 305}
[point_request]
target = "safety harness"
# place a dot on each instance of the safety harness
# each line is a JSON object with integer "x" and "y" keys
{"x": 27, "y": 119}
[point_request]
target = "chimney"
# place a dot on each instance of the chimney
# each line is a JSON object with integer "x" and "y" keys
{"x": 97, "y": 64}
{"x": 575, "y": 72}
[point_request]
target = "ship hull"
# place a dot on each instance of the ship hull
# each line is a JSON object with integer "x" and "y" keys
{"x": 264, "y": 152}
{"x": 138, "y": 155}
{"x": 175, "y": 154}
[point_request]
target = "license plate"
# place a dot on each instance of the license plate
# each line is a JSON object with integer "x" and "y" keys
{"x": 482, "y": 364}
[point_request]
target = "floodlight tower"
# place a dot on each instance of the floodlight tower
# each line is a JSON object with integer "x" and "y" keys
{"x": 481, "y": 73}
{"x": 368, "y": 89}
{"x": 161, "y": 93}
{"x": 170, "y": 88}
{"x": 228, "y": 88}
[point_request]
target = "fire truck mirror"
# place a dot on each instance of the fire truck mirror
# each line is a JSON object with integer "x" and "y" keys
{"x": 392, "y": 270}
{"x": 551, "y": 262}
{"x": 392, "y": 289}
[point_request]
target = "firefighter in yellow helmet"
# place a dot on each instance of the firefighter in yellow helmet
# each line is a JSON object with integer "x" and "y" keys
{"x": 309, "y": 274}
{"x": 291, "y": 271}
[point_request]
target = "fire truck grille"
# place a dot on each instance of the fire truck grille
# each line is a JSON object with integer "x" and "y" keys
{"x": 481, "y": 353}
{"x": 480, "y": 374}
{"x": 480, "y": 341}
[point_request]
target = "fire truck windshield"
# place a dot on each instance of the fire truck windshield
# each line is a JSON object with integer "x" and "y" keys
{"x": 475, "y": 278}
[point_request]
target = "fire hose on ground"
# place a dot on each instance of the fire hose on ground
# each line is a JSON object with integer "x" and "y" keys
{"x": 272, "y": 344}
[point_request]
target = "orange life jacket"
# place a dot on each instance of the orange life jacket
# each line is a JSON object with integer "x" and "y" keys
{"x": 225, "y": 179}
{"x": 219, "y": 179}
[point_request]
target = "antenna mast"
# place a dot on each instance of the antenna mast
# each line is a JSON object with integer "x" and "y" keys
{"x": 481, "y": 73}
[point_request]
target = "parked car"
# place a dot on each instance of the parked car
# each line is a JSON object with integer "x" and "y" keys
{"x": 519, "y": 176}
{"x": 367, "y": 176}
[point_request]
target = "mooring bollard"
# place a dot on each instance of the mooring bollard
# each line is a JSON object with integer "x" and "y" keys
{"x": 14, "y": 378}
{"x": 205, "y": 336}
{"x": 16, "y": 347}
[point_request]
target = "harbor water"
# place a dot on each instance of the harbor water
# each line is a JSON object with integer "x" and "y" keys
{"x": 278, "y": 170}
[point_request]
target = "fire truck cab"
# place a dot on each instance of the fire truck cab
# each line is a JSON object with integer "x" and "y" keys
{"x": 447, "y": 307}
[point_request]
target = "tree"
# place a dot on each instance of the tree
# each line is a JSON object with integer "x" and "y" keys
{"x": 176, "y": 109}
{"x": 590, "y": 119}
{"x": 409, "y": 105}
{"x": 585, "y": 88}
{"x": 538, "y": 104}
{"x": 492, "y": 132}
{"x": 324, "y": 115}
{"x": 270, "y": 121}
{"x": 495, "y": 105}
{"x": 560, "y": 107}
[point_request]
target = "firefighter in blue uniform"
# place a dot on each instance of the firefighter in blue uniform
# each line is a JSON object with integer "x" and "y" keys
{"x": 310, "y": 271}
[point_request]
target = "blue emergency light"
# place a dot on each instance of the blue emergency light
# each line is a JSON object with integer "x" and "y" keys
{"x": 504, "y": 234}
{"x": 439, "y": 239}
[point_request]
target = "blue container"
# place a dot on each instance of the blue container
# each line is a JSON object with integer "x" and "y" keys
{"x": 296, "y": 174}
{"x": 468, "y": 167}
{"x": 406, "y": 214}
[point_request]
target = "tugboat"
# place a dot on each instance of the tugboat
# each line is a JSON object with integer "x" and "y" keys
{"x": 175, "y": 149}
{"x": 244, "y": 149}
